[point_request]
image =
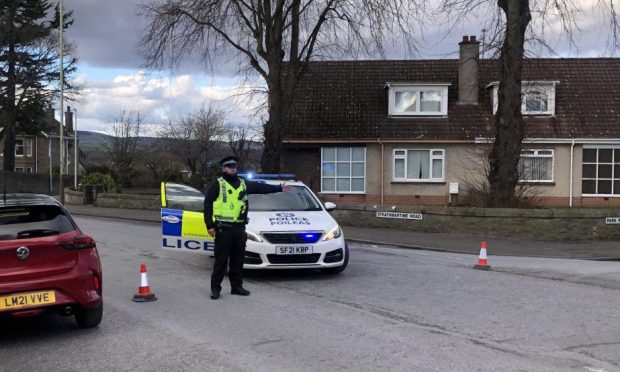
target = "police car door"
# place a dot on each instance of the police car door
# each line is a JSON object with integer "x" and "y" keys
{"x": 182, "y": 219}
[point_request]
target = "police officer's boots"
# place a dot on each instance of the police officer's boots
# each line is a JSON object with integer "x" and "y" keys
{"x": 240, "y": 291}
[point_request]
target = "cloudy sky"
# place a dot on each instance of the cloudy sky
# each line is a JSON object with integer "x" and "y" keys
{"x": 106, "y": 34}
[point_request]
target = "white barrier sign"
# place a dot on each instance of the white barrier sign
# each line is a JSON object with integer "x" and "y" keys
{"x": 404, "y": 216}
{"x": 612, "y": 220}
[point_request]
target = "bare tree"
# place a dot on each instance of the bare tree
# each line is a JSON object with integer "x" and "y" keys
{"x": 162, "y": 165}
{"x": 476, "y": 166}
{"x": 508, "y": 124}
{"x": 275, "y": 39}
{"x": 123, "y": 144}
{"x": 194, "y": 136}
{"x": 240, "y": 140}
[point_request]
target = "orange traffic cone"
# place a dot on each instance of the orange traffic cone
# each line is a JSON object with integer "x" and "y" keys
{"x": 144, "y": 291}
{"x": 483, "y": 263}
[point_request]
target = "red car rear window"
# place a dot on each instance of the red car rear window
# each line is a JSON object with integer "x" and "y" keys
{"x": 32, "y": 221}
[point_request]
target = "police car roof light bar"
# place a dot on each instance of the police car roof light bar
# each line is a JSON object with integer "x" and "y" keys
{"x": 265, "y": 176}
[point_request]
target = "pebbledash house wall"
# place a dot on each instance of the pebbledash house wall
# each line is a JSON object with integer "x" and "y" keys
{"x": 463, "y": 164}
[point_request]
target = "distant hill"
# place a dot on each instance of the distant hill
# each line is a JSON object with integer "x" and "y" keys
{"x": 94, "y": 145}
{"x": 92, "y": 141}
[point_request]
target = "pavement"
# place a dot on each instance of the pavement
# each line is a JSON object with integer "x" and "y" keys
{"x": 442, "y": 242}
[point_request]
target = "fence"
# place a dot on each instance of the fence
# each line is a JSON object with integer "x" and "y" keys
{"x": 19, "y": 182}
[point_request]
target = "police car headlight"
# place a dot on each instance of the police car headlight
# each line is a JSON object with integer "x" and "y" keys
{"x": 334, "y": 233}
{"x": 253, "y": 236}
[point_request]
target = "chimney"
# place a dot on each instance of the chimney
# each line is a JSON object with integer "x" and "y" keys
{"x": 50, "y": 114}
{"x": 469, "y": 53}
{"x": 69, "y": 120}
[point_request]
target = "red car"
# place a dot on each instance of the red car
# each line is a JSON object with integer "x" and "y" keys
{"x": 46, "y": 263}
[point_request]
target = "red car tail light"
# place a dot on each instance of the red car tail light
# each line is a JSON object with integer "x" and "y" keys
{"x": 96, "y": 281}
{"x": 78, "y": 242}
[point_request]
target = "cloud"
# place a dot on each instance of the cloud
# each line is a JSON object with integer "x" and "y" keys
{"x": 158, "y": 99}
{"x": 106, "y": 32}
{"x": 107, "y": 35}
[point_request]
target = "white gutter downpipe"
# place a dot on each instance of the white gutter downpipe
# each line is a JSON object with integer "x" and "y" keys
{"x": 570, "y": 186}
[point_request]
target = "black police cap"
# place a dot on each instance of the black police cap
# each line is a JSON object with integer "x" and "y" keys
{"x": 229, "y": 160}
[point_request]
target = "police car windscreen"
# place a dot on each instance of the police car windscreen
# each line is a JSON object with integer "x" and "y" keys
{"x": 33, "y": 221}
{"x": 298, "y": 199}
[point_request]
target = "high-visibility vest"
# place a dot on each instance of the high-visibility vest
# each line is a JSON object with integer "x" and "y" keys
{"x": 231, "y": 203}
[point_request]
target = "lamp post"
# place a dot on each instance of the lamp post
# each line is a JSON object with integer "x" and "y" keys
{"x": 75, "y": 151}
{"x": 62, "y": 107}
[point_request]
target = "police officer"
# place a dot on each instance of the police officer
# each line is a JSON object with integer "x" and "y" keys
{"x": 226, "y": 211}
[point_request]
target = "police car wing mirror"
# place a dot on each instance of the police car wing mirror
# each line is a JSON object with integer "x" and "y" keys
{"x": 329, "y": 206}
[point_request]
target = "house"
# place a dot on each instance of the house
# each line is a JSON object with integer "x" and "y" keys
{"x": 416, "y": 131}
{"x": 40, "y": 152}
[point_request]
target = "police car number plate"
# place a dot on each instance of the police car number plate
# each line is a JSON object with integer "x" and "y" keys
{"x": 293, "y": 249}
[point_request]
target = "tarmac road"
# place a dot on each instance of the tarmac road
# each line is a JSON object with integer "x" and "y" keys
{"x": 392, "y": 309}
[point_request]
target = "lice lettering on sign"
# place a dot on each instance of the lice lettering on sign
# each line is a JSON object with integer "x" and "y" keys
{"x": 194, "y": 245}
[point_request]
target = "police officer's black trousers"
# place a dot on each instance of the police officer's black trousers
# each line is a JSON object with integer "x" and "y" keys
{"x": 229, "y": 244}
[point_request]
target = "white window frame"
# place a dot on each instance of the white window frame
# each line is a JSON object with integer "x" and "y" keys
{"x": 548, "y": 89}
{"x": 547, "y": 86}
{"x": 538, "y": 153}
{"x": 29, "y": 170}
{"x": 614, "y": 177}
{"x": 19, "y": 169}
{"x": 350, "y": 177}
{"x": 20, "y": 144}
{"x": 442, "y": 89}
{"x": 26, "y": 146}
{"x": 432, "y": 157}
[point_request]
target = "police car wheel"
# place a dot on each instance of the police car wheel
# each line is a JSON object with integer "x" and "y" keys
{"x": 339, "y": 269}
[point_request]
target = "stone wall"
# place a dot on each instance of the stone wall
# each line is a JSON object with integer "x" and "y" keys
{"x": 130, "y": 201}
{"x": 74, "y": 197}
{"x": 541, "y": 224}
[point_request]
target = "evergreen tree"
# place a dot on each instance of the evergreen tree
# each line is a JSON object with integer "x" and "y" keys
{"x": 29, "y": 67}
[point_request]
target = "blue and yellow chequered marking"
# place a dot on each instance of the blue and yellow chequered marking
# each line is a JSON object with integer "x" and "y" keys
{"x": 185, "y": 230}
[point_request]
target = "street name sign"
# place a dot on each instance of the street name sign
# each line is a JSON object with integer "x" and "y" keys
{"x": 400, "y": 215}
{"x": 612, "y": 220}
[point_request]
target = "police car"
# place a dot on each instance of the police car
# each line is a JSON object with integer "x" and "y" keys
{"x": 286, "y": 230}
